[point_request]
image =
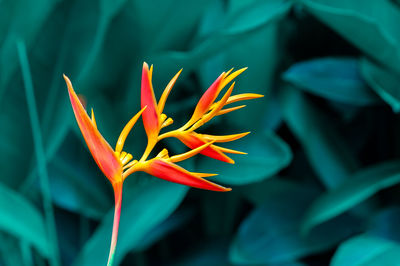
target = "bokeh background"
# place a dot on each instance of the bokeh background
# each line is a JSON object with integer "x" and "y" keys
{"x": 319, "y": 185}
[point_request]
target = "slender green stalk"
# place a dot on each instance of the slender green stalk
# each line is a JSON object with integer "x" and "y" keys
{"x": 117, "y": 214}
{"x": 40, "y": 154}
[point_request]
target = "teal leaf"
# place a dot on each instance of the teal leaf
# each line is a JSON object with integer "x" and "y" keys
{"x": 385, "y": 224}
{"x": 267, "y": 155}
{"x": 362, "y": 185}
{"x": 336, "y": 79}
{"x": 327, "y": 152}
{"x": 21, "y": 219}
{"x": 366, "y": 250}
{"x": 142, "y": 209}
{"x": 75, "y": 188}
{"x": 372, "y": 28}
{"x": 22, "y": 25}
{"x": 254, "y": 16}
{"x": 232, "y": 31}
{"x": 270, "y": 234}
{"x": 384, "y": 82}
{"x": 172, "y": 223}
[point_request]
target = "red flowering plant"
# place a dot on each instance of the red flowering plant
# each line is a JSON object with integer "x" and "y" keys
{"x": 117, "y": 164}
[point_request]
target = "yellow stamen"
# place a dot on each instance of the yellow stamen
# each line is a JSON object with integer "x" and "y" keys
{"x": 163, "y": 154}
{"x": 162, "y": 118}
{"x": 126, "y": 159}
{"x": 130, "y": 164}
{"x": 122, "y": 156}
{"x": 164, "y": 96}
{"x": 126, "y": 130}
{"x": 168, "y": 122}
{"x": 191, "y": 153}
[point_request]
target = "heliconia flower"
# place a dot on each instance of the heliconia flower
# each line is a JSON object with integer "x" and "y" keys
{"x": 117, "y": 164}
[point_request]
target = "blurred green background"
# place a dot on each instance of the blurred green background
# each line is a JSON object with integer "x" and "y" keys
{"x": 319, "y": 185}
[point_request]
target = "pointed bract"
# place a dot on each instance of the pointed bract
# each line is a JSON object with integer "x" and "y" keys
{"x": 207, "y": 99}
{"x": 151, "y": 115}
{"x": 167, "y": 90}
{"x": 101, "y": 151}
{"x": 174, "y": 173}
{"x": 194, "y": 140}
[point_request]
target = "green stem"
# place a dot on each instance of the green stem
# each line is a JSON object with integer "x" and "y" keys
{"x": 40, "y": 154}
{"x": 117, "y": 213}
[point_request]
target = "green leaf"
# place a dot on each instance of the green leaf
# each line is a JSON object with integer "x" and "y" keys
{"x": 172, "y": 223}
{"x": 21, "y": 219}
{"x": 384, "y": 82}
{"x": 76, "y": 188}
{"x": 142, "y": 210}
{"x": 270, "y": 234}
{"x": 23, "y": 25}
{"x": 254, "y": 16}
{"x": 385, "y": 224}
{"x": 231, "y": 32}
{"x": 366, "y": 250}
{"x": 327, "y": 152}
{"x": 356, "y": 189}
{"x": 335, "y": 79}
{"x": 14, "y": 144}
{"x": 267, "y": 155}
{"x": 372, "y": 28}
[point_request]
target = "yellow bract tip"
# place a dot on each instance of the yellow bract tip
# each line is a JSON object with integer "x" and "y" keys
{"x": 94, "y": 120}
{"x": 126, "y": 130}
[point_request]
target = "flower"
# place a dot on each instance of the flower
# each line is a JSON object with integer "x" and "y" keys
{"x": 117, "y": 164}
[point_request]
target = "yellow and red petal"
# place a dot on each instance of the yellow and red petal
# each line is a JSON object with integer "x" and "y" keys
{"x": 101, "y": 151}
{"x": 151, "y": 115}
{"x": 174, "y": 173}
{"x": 207, "y": 99}
{"x": 194, "y": 140}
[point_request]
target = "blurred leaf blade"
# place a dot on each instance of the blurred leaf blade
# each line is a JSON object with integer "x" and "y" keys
{"x": 367, "y": 250}
{"x": 255, "y": 166}
{"x": 270, "y": 234}
{"x": 384, "y": 82}
{"x": 325, "y": 149}
{"x": 365, "y": 183}
{"x": 372, "y": 28}
{"x": 336, "y": 79}
{"x": 21, "y": 219}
